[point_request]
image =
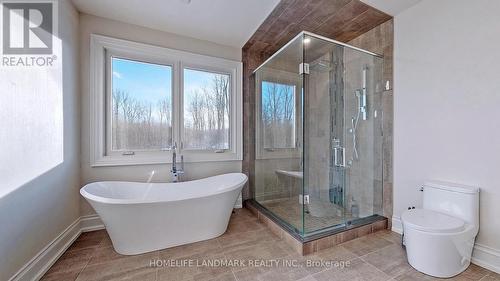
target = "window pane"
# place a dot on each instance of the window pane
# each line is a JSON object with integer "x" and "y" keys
{"x": 206, "y": 110}
{"x": 278, "y": 115}
{"x": 141, "y": 105}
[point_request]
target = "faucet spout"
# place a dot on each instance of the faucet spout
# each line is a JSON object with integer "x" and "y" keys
{"x": 175, "y": 172}
{"x": 174, "y": 161}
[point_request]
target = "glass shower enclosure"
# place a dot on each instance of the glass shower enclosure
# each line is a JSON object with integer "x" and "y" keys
{"x": 318, "y": 163}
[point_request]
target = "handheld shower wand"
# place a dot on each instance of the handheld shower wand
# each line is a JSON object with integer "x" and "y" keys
{"x": 361, "y": 112}
{"x": 362, "y": 96}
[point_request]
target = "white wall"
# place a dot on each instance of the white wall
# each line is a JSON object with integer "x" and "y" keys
{"x": 39, "y": 136}
{"x": 91, "y": 24}
{"x": 447, "y": 103}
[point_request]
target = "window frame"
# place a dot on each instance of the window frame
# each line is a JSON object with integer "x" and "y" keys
{"x": 108, "y": 99}
{"x": 210, "y": 69}
{"x": 278, "y": 77}
{"x": 103, "y": 48}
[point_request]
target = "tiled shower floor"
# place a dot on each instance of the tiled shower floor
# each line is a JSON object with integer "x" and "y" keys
{"x": 378, "y": 256}
{"x": 323, "y": 216}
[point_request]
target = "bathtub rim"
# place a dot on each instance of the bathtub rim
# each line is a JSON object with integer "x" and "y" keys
{"x": 114, "y": 201}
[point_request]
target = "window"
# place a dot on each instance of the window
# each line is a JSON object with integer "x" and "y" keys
{"x": 278, "y": 115}
{"x": 141, "y": 105}
{"x": 146, "y": 99}
{"x": 279, "y": 105}
{"x": 206, "y": 110}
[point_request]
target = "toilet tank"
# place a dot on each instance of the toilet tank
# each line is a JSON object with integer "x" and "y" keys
{"x": 457, "y": 200}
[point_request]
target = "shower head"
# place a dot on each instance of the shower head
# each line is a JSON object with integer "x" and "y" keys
{"x": 321, "y": 65}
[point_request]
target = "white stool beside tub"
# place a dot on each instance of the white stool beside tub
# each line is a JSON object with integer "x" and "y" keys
{"x": 439, "y": 238}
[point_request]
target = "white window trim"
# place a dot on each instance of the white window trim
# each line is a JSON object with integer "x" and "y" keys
{"x": 101, "y": 45}
{"x": 290, "y": 79}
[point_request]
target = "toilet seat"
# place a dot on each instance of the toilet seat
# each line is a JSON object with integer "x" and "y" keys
{"x": 432, "y": 221}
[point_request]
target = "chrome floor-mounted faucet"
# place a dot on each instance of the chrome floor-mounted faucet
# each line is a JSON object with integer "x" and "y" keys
{"x": 175, "y": 172}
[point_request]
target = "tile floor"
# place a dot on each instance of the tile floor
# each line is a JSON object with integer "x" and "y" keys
{"x": 377, "y": 256}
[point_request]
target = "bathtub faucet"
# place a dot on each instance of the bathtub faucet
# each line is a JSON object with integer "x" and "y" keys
{"x": 175, "y": 172}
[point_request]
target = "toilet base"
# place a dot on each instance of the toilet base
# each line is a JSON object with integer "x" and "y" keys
{"x": 440, "y": 255}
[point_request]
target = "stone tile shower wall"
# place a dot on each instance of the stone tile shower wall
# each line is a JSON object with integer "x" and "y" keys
{"x": 364, "y": 175}
{"x": 380, "y": 40}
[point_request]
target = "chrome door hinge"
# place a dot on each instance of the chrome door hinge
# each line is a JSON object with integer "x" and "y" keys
{"x": 304, "y": 68}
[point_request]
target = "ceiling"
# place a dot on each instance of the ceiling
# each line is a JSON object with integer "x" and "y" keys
{"x": 391, "y": 7}
{"x": 227, "y": 22}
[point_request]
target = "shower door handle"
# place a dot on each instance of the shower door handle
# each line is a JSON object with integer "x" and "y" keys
{"x": 339, "y": 156}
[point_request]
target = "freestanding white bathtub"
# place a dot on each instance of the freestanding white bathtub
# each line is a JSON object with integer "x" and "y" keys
{"x": 143, "y": 217}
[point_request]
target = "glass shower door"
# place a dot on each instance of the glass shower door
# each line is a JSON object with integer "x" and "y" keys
{"x": 363, "y": 89}
{"x": 342, "y": 135}
{"x": 324, "y": 135}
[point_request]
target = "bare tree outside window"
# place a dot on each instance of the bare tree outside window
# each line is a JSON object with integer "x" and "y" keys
{"x": 141, "y": 117}
{"x": 278, "y": 115}
{"x": 206, "y": 110}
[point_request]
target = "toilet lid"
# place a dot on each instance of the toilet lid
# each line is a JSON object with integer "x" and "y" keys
{"x": 431, "y": 221}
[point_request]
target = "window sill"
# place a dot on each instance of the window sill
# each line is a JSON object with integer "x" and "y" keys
{"x": 137, "y": 160}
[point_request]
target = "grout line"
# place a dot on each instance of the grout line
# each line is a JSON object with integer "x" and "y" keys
{"x": 157, "y": 268}
{"x": 82, "y": 269}
{"x": 374, "y": 251}
{"x": 369, "y": 264}
{"x": 234, "y": 275}
{"x": 87, "y": 263}
{"x": 487, "y": 275}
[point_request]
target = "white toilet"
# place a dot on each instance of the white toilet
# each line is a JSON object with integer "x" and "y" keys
{"x": 439, "y": 238}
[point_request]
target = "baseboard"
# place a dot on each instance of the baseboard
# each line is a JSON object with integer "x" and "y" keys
{"x": 91, "y": 223}
{"x": 397, "y": 226}
{"x": 486, "y": 257}
{"x": 38, "y": 265}
{"x": 482, "y": 255}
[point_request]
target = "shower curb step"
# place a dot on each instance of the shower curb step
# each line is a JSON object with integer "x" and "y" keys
{"x": 320, "y": 240}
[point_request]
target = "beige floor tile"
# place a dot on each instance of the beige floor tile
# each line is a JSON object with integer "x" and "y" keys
{"x": 356, "y": 270}
{"x": 473, "y": 272}
{"x": 229, "y": 276}
{"x": 199, "y": 268}
{"x": 242, "y": 214}
{"x": 389, "y": 236}
{"x": 413, "y": 275}
{"x": 491, "y": 277}
{"x": 334, "y": 256}
{"x": 61, "y": 276}
{"x": 308, "y": 278}
{"x": 236, "y": 226}
{"x": 106, "y": 241}
{"x": 263, "y": 250}
{"x": 250, "y": 273}
{"x": 271, "y": 273}
{"x": 72, "y": 261}
{"x": 198, "y": 248}
{"x": 251, "y": 237}
{"x": 88, "y": 240}
{"x": 366, "y": 244}
{"x": 108, "y": 254}
{"x": 391, "y": 260}
{"x": 125, "y": 268}
{"x": 125, "y": 274}
{"x": 92, "y": 235}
